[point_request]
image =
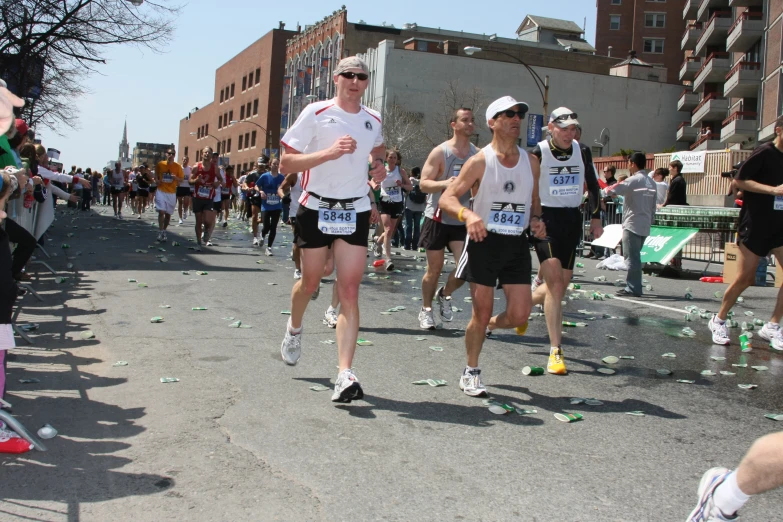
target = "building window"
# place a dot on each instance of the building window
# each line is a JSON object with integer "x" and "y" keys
{"x": 230, "y": 116}
{"x": 258, "y": 76}
{"x": 244, "y": 167}
{"x": 223, "y": 143}
{"x": 239, "y": 145}
{"x": 220, "y": 121}
{"x": 242, "y": 112}
{"x": 206, "y": 129}
{"x": 218, "y": 148}
{"x": 247, "y": 110}
{"x": 244, "y": 83}
{"x": 250, "y": 80}
{"x": 186, "y": 152}
{"x": 617, "y": 2}
{"x": 232, "y": 90}
{"x": 653, "y": 45}
{"x": 198, "y": 155}
{"x": 421, "y": 46}
{"x": 221, "y": 95}
{"x": 614, "y": 22}
{"x": 228, "y": 145}
{"x": 255, "y": 107}
{"x": 226, "y": 91}
{"x": 253, "y": 139}
{"x": 657, "y": 20}
{"x": 247, "y": 140}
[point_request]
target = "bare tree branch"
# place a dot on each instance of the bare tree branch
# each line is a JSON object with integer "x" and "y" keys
{"x": 71, "y": 37}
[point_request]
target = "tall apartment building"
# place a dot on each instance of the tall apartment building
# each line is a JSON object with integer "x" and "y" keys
{"x": 242, "y": 121}
{"x": 731, "y": 73}
{"x": 652, "y": 28}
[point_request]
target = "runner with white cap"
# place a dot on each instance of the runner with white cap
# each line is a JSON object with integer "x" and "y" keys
{"x": 504, "y": 181}
{"x": 331, "y": 143}
{"x": 564, "y": 172}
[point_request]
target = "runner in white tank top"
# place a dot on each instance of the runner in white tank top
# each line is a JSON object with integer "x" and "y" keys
{"x": 497, "y": 250}
{"x": 393, "y": 190}
{"x": 293, "y": 183}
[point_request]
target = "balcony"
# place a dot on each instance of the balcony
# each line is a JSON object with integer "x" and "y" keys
{"x": 703, "y": 14}
{"x": 711, "y": 108}
{"x": 739, "y": 127}
{"x": 743, "y": 81}
{"x": 688, "y": 101}
{"x": 706, "y": 143}
{"x": 691, "y": 36}
{"x": 714, "y": 32}
{"x": 745, "y": 3}
{"x": 691, "y": 8}
{"x": 714, "y": 70}
{"x": 746, "y": 31}
{"x": 687, "y": 133}
{"x": 689, "y": 68}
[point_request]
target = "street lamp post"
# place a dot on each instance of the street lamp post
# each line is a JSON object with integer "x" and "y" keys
{"x": 217, "y": 140}
{"x": 542, "y": 85}
{"x": 267, "y": 134}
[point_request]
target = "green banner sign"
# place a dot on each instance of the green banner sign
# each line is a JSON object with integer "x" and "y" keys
{"x": 663, "y": 243}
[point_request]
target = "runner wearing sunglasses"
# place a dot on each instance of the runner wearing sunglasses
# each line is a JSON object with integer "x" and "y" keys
{"x": 331, "y": 143}
{"x": 565, "y": 168}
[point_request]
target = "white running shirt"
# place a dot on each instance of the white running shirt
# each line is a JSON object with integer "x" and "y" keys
{"x": 317, "y": 128}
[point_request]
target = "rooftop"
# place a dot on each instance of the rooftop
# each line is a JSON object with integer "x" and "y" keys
{"x": 553, "y": 24}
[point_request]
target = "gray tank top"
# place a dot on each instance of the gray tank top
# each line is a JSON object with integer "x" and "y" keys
{"x": 452, "y": 166}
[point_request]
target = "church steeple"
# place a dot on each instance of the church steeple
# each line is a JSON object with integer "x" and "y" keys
{"x": 124, "y": 146}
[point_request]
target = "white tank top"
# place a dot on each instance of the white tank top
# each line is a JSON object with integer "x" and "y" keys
{"x": 561, "y": 183}
{"x": 185, "y": 182}
{"x": 296, "y": 192}
{"x": 451, "y": 167}
{"x": 389, "y": 189}
{"x": 505, "y": 194}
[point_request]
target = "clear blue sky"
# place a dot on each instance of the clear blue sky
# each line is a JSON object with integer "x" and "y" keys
{"x": 128, "y": 84}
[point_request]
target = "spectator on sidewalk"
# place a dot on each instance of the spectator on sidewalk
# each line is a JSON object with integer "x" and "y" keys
{"x": 414, "y": 210}
{"x": 639, "y": 202}
{"x": 676, "y": 194}
{"x": 659, "y": 177}
{"x": 8, "y": 288}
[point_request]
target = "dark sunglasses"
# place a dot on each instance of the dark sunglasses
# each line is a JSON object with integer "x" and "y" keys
{"x": 564, "y": 117}
{"x": 352, "y": 75}
{"x": 170, "y": 153}
{"x": 510, "y": 113}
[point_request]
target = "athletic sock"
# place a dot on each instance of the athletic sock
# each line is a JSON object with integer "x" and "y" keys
{"x": 554, "y": 349}
{"x": 719, "y": 320}
{"x": 728, "y": 497}
{"x": 292, "y": 330}
{"x": 774, "y": 326}
{"x": 469, "y": 369}
{"x": 330, "y": 310}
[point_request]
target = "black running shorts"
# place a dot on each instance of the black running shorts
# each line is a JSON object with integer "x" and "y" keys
{"x": 437, "y": 236}
{"x": 497, "y": 260}
{"x": 564, "y": 232}
{"x": 308, "y": 235}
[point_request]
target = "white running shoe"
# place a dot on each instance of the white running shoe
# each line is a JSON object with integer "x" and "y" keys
{"x": 377, "y": 250}
{"x": 773, "y": 335}
{"x": 330, "y": 318}
{"x": 536, "y": 283}
{"x": 139, "y": 216}
{"x": 389, "y": 265}
{"x": 297, "y": 274}
{"x": 180, "y": 221}
{"x": 208, "y": 243}
{"x": 426, "y": 319}
{"x": 165, "y": 237}
{"x": 255, "y": 241}
{"x": 160, "y": 236}
{"x": 268, "y": 251}
{"x": 444, "y": 303}
{"x": 291, "y": 349}
{"x": 471, "y": 384}
{"x": 706, "y": 510}
{"x": 347, "y": 387}
{"x": 720, "y": 332}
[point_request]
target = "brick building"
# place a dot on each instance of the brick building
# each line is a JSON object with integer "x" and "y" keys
{"x": 731, "y": 73}
{"x": 652, "y": 28}
{"x": 248, "y": 90}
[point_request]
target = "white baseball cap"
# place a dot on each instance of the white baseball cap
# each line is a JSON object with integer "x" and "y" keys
{"x": 563, "y": 117}
{"x": 502, "y": 104}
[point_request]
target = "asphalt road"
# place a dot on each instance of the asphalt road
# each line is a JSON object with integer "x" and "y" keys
{"x": 242, "y": 436}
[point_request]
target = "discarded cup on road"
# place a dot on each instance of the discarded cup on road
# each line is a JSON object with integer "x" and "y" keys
{"x": 611, "y": 359}
{"x": 745, "y": 345}
{"x": 774, "y": 416}
{"x": 157, "y": 319}
{"x": 47, "y": 432}
{"x": 532, "y": 370}
{"x": 569, "y": 417}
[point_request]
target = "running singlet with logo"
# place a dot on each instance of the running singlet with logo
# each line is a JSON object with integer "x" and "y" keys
{"x": 185, "y": 181}
{"x": 170, "y": 174}
{"x": 317, "y": 128}
{"x": 561, "y": 183}
{"x": 117, "y": 180}
{"x": 505, "y": 194}
{"x": 269, "y": 183}
{"x": 390, "y": 192}
{"x": 205, "y": 191}
{"x": 452, "y": 166}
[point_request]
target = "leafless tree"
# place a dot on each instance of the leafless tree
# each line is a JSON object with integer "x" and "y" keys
{"x": 404, "y": 130}
{"x": 67, "y": 40}
{"x": 453, "y": 97}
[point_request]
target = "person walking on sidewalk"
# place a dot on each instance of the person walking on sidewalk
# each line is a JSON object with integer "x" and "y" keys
{"x": 639, "y": 203}
{"x": 760, "y": 233}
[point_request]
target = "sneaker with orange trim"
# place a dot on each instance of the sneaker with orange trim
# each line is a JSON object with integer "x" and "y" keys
{"x": 556, "y": 364}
